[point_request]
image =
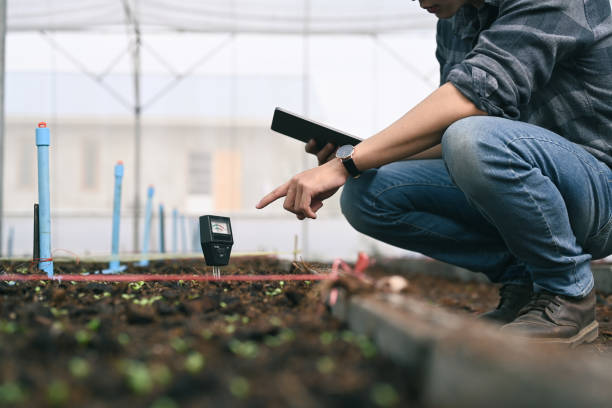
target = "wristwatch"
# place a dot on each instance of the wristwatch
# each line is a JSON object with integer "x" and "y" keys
{"x": 345, "y": 154}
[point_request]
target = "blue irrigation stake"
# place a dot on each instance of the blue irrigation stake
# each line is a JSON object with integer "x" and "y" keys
{"x": 11, "y": 239}
{"x": 162, "y": 230}
{"x": 183, "y": 234}
{"x": 43, "y": 139}
{"x": 114, "y": 266}
{"x": 174, "y": 230}
{"x": 147, "y": 230}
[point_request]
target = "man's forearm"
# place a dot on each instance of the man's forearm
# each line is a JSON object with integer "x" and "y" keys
{"x": 431, "y": 153}
{"x": 418, "y": 130}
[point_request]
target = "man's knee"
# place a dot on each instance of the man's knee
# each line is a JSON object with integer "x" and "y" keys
{"x": 356, "y": 203}
{"x": 470, "y": 148}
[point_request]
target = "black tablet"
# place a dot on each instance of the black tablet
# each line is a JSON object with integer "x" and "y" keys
{"x": 303, "y": 129}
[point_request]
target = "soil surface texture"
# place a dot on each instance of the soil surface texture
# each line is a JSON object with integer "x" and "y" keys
{"x": 185, "y": 344}
{"x": 195, "y": 344}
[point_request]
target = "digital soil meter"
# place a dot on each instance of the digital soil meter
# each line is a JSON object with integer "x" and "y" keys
{"x": 217, "y": 240}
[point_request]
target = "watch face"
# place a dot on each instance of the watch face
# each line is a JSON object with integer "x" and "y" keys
{"x": 344, "y": 152}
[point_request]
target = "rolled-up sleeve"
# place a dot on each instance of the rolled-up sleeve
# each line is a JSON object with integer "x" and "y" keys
{"x": 518, "y": 53}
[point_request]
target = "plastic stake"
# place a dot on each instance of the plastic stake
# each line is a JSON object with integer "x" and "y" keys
{"x": 114, "y": 266}
{"x": 162, "y": 230}
{"x": 147, "y": 229}
{"x": 174, "y": 230}
{"x": 43, "y": 139}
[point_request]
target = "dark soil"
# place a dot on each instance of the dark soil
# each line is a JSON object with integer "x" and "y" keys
{"x": 193, "y": 344}
{"x": 185, "y": 344}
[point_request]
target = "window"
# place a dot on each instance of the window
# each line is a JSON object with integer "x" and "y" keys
{"x": 199, "y": 173}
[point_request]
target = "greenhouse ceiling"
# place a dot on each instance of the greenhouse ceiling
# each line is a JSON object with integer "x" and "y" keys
{"x": 229, "y": 16}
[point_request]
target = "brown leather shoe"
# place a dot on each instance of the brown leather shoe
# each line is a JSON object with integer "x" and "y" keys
{"x": 550, "y": 318}
{"x": 512, "y": 298}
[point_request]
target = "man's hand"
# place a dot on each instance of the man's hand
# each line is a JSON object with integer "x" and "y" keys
{"x": 305, "y": 192}
{"x": 324, "y": 154}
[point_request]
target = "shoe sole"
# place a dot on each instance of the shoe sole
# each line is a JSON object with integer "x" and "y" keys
{"x": 586, "y": 335}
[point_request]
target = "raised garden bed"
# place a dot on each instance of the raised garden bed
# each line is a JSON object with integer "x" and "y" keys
{"x": 168, "y": 344}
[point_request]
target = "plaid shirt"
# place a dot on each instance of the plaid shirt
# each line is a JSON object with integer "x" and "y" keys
{"x": 545, "y": 62}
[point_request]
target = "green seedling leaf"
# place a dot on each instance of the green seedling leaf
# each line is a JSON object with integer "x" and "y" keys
{"x": 325, "y": 365}
{"x": 22, "y": 270}
{"x": 123, "y": 339}
{"x": 230, "y": 329}
{"x": 58, "y": 393}
{"x": 384, "y": 395}
{"x": 179, "y": 345}
{"x": 327, "y": 338}
{"x": 127, "y": 296}
{"x": 94, "y": 324}
{"x": 276, "y": 321}
{"x": 136, "y": 286}
{"x": 106, "y": 294}
{"x": 42, "y": 282}
{"x": 232, "y": 319}
{"x": 37, "y": 289}
{"x": 368, "y": 349}
{"x": 194, "y": 362}
{"x": 274, "y": 292}
{"x": 11, "y": 393}
{"x": 245, "y": 320}
{"x": 245, "y": 349}
{"x": 83, "y": 337}
{"x": 138, "y": 377}
{"x": 80, "y": 295}
{"x": 161, "y": 374}
{"x": 8, "y": 327}
{"x": 239, "y": 387}
{"x": 79, "y": 367}
{"x": 97, "y": 297}
{"x": 147, "y": 301}
{"x": 223, "y": 305}
{"x": 206, "y": 334}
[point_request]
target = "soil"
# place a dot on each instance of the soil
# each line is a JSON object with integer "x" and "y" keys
{"x": 194, "y": 344}
{"x": 187, "y": 344}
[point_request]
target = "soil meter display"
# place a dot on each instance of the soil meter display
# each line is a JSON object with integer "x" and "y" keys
{"x": 217, "y": 240}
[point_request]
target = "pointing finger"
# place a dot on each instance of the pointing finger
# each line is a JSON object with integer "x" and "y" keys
{"x": 279, "y": 192}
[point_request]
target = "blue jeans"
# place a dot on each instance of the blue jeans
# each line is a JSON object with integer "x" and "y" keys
{"x": 509, "y": 199}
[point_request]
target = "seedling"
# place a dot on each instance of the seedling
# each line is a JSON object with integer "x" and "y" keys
{"x": 217, "y": 240}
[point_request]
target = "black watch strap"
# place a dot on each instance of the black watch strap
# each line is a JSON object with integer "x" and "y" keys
{"x": 349, "y": 164}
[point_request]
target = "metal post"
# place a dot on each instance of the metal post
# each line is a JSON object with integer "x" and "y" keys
{"x": 147, "y": 228}
{"x": 11, "y": 240}
{"x": 162, "y": 230}
{"x": 137, "y": 137}
{"x": 305, "y": 108}
{"x": 2, "y": 54}
{"x": 36, "y": 243}
{"x": 43, "y": 139}
{"x": 114, "y": 265}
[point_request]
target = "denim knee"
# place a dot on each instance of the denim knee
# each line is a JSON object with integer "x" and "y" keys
{"x": 470, "y": 150}
{"x": 356, "y": 203}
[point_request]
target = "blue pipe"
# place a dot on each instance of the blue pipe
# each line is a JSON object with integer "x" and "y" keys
{"x": 114, "y": 266}
{"x": 11, "y": 239}
{"x": 162, "y": 230}
{"x": 174, "y": 230}
{"x": 183, "y": 234}
{"x": 147, "y": 230}
{"x": 43, "y": 139}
